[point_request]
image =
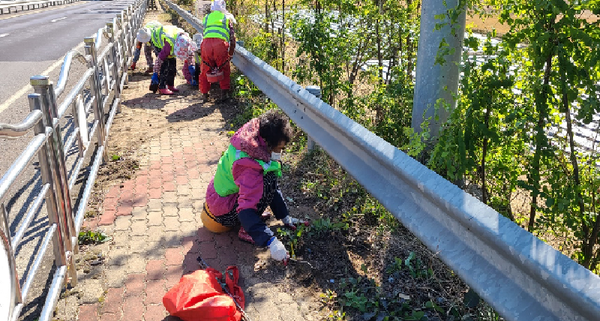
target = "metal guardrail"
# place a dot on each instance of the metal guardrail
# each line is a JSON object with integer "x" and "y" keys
{"x": 520, "y": 276}
{"x": 9, "y": 6}
{"x": 99, "y": 89}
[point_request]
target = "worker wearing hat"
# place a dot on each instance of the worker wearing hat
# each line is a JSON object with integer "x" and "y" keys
{"x": 143, "y": 37}
{"x": 217, "y": 47}
{"x": 170, "y": 42}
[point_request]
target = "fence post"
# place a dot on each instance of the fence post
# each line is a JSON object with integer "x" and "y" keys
{"x": 5, "y": 234}
{"x": 48, "y": 177}
{"x": 90, "y": 49}
{"x": 45, "y": 88}
{"x": 114, "y": 53}
{"x": 315, "y": 91}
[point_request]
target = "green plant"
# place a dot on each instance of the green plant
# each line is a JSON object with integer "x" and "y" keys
{"x": 92, "y": 237}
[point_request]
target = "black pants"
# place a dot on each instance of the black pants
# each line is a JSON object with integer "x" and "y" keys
{"x": 168, "y": 70}
{"x": 269, "y": 190}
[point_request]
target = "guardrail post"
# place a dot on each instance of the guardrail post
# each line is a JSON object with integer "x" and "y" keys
{"x": 90, "y": 49}
{"x": 11, "y": 256}
{"x": 48, "y": 177}
{"x": 43, "y": 86}
{"x": 315, "y": 91}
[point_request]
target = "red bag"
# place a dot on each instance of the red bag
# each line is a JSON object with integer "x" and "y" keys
{"x": 199, "y": 297}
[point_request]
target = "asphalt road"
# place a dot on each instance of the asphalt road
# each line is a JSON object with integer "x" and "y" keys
{"x": 35, "y": 42}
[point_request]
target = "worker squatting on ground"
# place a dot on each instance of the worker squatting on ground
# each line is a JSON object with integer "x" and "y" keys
{"x": 170, "y": 42}
{"x": 245, "y": 183}
{"x": 144, "y": 36}
{"x": 190, "y": 76}
{"x": 217, "y": 47}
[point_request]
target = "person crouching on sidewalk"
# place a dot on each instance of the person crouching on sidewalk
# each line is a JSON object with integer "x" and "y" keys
{"x": 246, "y": 183}
{"x": 169, "y": 42}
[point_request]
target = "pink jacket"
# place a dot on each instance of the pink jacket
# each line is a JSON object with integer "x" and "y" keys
{"x": 247, "y": 173}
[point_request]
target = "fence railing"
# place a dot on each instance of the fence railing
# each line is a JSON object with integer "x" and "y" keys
{"x": 520, "y": 276}
{"x": 15, "y": 6}
{"x": 91, "y": 104}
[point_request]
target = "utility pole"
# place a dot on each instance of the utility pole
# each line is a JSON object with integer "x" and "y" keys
{"x": 435, "y": 81}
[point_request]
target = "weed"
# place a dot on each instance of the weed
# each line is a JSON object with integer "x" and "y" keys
{"x": 91, "y": 237}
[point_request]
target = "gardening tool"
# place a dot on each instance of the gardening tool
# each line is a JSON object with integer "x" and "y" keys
{"x": 203, "y": 265}
{"x": 298, "y": 261}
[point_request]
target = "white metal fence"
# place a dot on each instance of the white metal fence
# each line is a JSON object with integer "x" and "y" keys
{"x": 92, "y": 103}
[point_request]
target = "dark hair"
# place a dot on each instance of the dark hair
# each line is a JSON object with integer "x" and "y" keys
{"x": 274, "y": 128}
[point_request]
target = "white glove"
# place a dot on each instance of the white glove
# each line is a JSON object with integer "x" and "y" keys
{"x": 278, "y": 251}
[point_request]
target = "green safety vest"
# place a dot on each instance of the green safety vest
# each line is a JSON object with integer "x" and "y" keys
{"x": 216, "y": 25}
{"x": 153, "y": 25}
{"x": 224, "y": 183}
{"x": 165, "y": 33}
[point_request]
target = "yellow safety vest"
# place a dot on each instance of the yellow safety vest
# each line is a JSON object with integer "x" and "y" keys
{"x": 165, "y": 33}
{"x": 216, "y": 25}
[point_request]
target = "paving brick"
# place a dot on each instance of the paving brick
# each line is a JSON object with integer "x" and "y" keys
{"x": 173, "y": 274}
{"x": 110, "y": 203}
{"x": 155, "y": 270}
{"x": 133, "y": 308}
{"x": 227, "y": 258}
{"x": 115, "y": 278}
{"x": 156, "y": 251}
{"x": 113, "y": 192}
{"x": 173, "y": 256}
{"x": 183, "y": 190}
{"x": 155, "y": 312}
{"x": 155, "y": 219}
{"x": 188, "y": 228}
{"x": 107, "y": 218}
{"x": 207, "y": 250}
{"x": 113, "y": 300}
{"x": 171, "y": 223}
{"x": 138, "y": 244}
{"x": 223, "y": 239}
{"x": 187, "y": 243}
{"x": 139, "y": 214}
{"x": 135, "y": 285}
{"x": 122, "y": 223}
{"x": 187, "y": 214}
{"x": 155, "y": 233}
{"x": 154, "y": 205}
{"x": 88, "y": 312}
{"x": 185, "y": 201}
{"x": 171, "y": 209}
{"x": 124, "y": 209}
{"x": 190, "y": 263}
{"x": 155, "y": 290}
{"x": 154, "y": 193}
{"x": 171, "y": 239}
{"x": 138, "y": 228}
{"x": 140, "y": 200}
{"x": 204, "y": 235}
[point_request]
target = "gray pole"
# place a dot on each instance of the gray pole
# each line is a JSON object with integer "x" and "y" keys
{"x": 435, "y": 81}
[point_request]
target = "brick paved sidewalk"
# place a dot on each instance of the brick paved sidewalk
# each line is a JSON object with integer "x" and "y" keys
{"x": 154, "y": 221}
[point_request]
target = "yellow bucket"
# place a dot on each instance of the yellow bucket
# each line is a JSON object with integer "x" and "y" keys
{"x": 209, "y": 222}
